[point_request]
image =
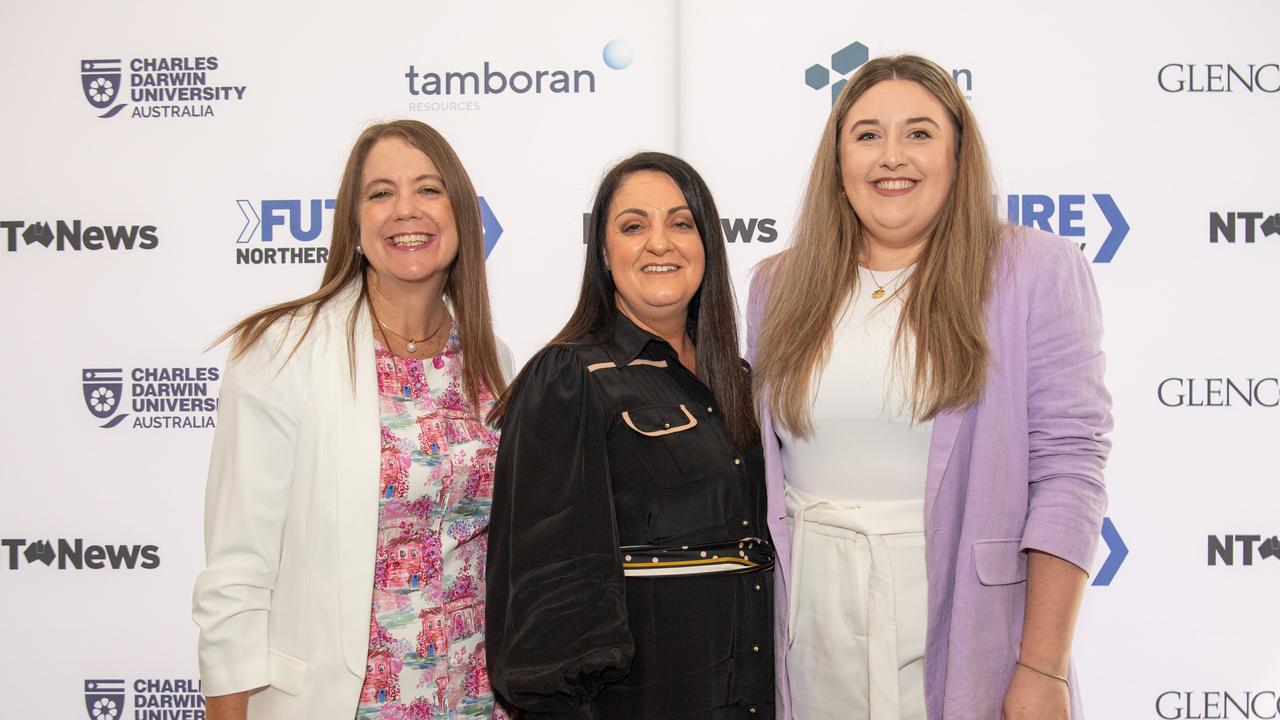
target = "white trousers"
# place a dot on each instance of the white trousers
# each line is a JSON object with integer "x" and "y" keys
{"x": 857, "y": 609}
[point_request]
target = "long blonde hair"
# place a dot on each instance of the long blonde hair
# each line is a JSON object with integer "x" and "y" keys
{"x": 945, "y": 298}
{"x": 466, "y": 287}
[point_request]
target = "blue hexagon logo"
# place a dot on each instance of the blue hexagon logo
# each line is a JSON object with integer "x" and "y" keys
{"x": 843, "y": 61}
{"x": 817, "y": 77}
{"x": 849, "y": 58}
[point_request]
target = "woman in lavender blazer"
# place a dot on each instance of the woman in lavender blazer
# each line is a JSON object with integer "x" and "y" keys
{"x": 934, "y": 419}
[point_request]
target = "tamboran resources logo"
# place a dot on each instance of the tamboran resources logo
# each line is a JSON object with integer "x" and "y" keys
{"x": 75, "y": 554}
{"x": 452, "y": 89}
{"x": 161, "y": 398}
{"x": 63, "y": 235}
{"x": 157, "y": 87}
{"x": 853, "y": 56}
{"x": 153, "y": 699}
{"x": 284, "y": 232}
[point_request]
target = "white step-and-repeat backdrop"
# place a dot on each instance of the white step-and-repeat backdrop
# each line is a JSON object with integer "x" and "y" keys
{"x": 170, "y": 167}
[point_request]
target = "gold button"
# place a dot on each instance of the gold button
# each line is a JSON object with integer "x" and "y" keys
{"x": 752, "y": 709}
{"x": 757, "y": 587}
{"x": 666, "y": 425}
{"x": 755, "y": 648}
{"x": 709, "y": 410}
{"x": 746, "y": 523}
{"x": 737, "y": 461}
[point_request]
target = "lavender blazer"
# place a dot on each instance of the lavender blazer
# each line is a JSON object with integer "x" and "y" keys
{"x": 1019, "y": 470}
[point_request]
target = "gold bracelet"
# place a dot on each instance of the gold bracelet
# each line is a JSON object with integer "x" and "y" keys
{"x": 1038, "y": 670}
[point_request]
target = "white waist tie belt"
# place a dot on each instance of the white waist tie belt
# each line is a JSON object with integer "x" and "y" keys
{"x": 856, "y": 608}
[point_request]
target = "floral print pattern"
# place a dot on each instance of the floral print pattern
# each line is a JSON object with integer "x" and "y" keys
{"x": 426, "y": 640}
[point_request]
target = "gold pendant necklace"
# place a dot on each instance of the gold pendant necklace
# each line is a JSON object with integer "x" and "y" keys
{"x": 878, "y": 293}
{"x": 410, "y": 344}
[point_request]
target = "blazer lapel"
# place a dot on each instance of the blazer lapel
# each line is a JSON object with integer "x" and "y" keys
{"x": 946, "y": 428}
{"x": 355, "y": 480}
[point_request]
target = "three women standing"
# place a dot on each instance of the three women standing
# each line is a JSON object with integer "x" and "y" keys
{"x": 932, "y": 418}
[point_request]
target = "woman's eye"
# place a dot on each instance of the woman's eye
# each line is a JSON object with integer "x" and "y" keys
{"x": 868, "y": 135}
{"x": 683, "y": 224}
{"x": 631, "y": 227}
{"x": 919, "y": 135}
{"x": 379, "y": 194}
{"x": 430, "y": 190}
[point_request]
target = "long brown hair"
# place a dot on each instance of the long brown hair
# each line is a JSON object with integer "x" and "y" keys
{"x": 945, "y": 298}
{"x": 712, "y": 312}
{"x": 466, "y": 287}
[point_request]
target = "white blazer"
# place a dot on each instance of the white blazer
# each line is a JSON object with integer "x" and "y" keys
{"x": 291, "y": 514}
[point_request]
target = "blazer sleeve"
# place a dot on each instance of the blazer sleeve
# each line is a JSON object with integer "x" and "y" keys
{"x": 556, "y": 618}
{"x": 1068, "y": 409}
{"x": 246, "y": 501}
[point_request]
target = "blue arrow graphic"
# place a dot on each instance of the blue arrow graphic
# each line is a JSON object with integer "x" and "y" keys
{"x": 1119, "y": 228}
{"x": 250, "y": 219}
{"x": 1119, "y": 551}
{"x": 492, "y": 228}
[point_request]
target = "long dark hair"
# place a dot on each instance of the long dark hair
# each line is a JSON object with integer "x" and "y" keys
{"x": 712, "y": 315}
{"x": 466, "y": 286}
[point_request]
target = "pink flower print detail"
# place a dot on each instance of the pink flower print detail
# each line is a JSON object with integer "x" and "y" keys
{"x": 437, "y": 362}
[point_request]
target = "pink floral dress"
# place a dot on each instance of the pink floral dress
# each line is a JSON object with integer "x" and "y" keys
{"x": 426, "y": 640}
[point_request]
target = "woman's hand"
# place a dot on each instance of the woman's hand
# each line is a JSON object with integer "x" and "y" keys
{"x": 1033, "y": 696}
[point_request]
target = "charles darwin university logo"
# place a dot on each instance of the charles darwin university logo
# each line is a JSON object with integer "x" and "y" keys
{"x": 100, "y": 80}
{"x": 156, "y": 87}
{"x": 103, "y": 388}
{"x": 153, "y": 698}
{"x": 104, "y": 699}
{"x": 164, "y": 398}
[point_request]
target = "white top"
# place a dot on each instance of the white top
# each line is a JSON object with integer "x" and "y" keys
{"x": 864, "y": 446}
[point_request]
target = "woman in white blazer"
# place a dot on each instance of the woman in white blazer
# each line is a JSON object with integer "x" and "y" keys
{"x": 346, "y": 513}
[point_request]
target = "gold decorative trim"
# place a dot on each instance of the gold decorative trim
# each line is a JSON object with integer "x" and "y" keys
{"x": 626, "y": 418}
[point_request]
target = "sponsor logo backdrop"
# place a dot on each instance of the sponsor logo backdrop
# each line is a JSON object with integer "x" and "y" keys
{"x": 169, "y": 170}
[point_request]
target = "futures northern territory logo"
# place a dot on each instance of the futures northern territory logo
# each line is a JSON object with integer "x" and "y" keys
{"x": 158, "y": 87}
{"x": 281, "y": 232}
{"x": 1066, "y": 215}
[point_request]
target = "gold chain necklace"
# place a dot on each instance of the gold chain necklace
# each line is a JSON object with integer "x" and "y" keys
{"x": 878, "y": 293}
{"x": 410, "y": 344}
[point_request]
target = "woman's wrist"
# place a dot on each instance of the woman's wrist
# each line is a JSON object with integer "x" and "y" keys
{"x": 1046, "y": 672}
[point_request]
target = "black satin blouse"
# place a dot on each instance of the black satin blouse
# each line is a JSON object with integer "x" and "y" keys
{"x": 612, "y": 442}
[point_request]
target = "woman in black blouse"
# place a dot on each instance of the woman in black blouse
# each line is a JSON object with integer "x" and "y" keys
{"x": 627, "y": 575}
